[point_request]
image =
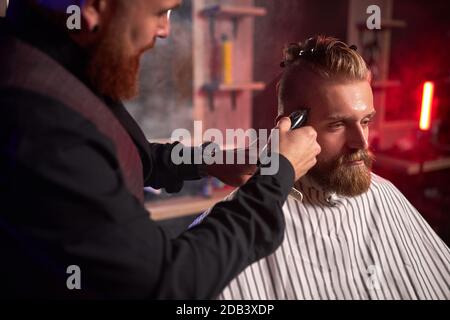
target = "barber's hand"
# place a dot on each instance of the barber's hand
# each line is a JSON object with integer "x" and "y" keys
{"x": 232, "y": 174}
{"x": 299, "y": 146}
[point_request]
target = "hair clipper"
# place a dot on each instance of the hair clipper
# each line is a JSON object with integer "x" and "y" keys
{"x": 298, "y": 118}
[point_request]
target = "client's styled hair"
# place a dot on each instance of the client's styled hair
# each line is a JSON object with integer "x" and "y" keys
{"x": 326, "y": 57}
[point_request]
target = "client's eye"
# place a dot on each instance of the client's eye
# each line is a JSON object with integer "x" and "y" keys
{"x": 335, "y": 125}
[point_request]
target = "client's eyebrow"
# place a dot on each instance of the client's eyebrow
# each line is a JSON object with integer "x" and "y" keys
{"x": 371, "y": 115}
{"x": 339, "y": 117}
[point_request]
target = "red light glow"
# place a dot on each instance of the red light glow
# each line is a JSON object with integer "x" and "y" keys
{"x": 427, "y": 101}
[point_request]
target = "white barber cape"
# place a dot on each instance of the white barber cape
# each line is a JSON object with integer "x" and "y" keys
{"x": 372, "y": 246}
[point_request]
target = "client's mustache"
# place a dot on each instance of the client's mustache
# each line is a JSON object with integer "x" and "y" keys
{"x": 363, "y": 154}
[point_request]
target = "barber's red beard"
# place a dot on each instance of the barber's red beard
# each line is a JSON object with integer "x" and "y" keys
{"x": 344, "y": 179}
{"x": 113, "y": 69}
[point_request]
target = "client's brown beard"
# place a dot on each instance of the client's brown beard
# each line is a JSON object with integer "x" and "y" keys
{"x": 112, "y": 69}
{"x": 337, "y": 176}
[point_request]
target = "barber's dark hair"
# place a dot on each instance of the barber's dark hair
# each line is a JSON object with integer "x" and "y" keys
{"x": 327, "y": 57}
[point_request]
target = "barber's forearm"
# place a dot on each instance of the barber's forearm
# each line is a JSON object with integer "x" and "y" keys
{"x": 234, "y": 234}
{"x": 261, "y": 198}
{"x": 167, "y": 171}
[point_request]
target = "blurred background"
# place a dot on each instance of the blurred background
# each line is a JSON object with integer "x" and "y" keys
{"x": 221, "y": 63}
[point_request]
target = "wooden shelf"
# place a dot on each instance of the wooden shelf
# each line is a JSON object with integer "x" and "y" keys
{"x": 236, "y": 20}
{"x": 249, "y": 86}
{"x": 390, "y": 24}
{"x": 233, "y": 11}
{"x": 243, "y": 86}
{"x": 211, "y": 89}
{"x": 385, "y": 24}
{"x": 183, "y": 206}
{"x": 410, "y": 167}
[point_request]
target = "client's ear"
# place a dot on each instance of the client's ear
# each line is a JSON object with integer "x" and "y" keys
{"x": 278, "y": 118}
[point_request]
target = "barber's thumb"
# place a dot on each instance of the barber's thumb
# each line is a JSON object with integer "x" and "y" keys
{"x": 284, "y": 124}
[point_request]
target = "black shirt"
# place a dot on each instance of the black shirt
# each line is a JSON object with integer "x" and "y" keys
{"x": 63, "y": 202}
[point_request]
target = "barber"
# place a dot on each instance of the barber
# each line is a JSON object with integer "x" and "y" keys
{"x": 73, "y": 165}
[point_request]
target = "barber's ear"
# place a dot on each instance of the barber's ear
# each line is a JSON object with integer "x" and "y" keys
{"x": 94, "y": 13}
